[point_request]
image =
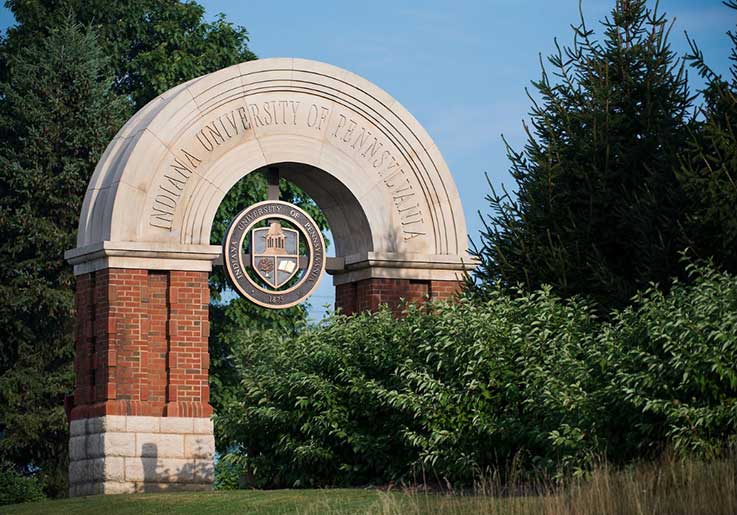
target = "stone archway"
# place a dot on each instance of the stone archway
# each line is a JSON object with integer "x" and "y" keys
{"x": 140, "y": 413}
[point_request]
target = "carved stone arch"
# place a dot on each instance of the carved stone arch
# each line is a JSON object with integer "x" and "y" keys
{"x": 163, "y": 176}
{"x": 143, "y": 248}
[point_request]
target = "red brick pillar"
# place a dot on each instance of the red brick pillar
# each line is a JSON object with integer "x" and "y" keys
{"x": 140, "y": 414}
{"x": 85, "y": 327}
{"x": 369, "y": 294}
{"x": 188, "y": 360}
{"x": 141, "y": 344}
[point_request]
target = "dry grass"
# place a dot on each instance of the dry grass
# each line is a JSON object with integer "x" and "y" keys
{"x": 670, "y": 487}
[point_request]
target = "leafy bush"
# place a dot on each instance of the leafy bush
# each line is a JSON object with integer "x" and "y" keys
{"x": 16, "y": 488}
{"x": 453, "y": 388}
{"x": 229, "y": 473}
{"x": 675, "y": 358}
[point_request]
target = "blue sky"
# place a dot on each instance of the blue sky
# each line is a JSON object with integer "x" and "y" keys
{"x": 460, "y": 67}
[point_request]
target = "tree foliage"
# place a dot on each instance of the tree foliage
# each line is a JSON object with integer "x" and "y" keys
{"x": 451, "y": 390}
{"x": 57, "y": 115}
{"x": 597, "y": 198}
{"x": 152, "y": 45}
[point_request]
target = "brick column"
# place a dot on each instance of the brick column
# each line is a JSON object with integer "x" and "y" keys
{"x": 369, "y": 294}
{"x": 84, "y": 368}
{"x": 188, "y": 360}
{"x": 140, "y": 415}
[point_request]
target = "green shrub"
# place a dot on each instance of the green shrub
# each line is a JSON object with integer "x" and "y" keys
{"x": 16, "y": 488}
{"x": 229, "y": 472}
{"x": 453, "y": 388}
{"x": 675, "y": 357}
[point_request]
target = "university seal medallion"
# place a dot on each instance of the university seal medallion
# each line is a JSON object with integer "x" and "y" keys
{"x": 274, "y": 254}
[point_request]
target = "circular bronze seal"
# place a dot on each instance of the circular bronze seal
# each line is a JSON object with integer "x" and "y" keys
{"x": 283, "y": 265}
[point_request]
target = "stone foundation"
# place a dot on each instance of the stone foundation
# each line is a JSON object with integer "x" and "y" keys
{"x": 127, "y": 454}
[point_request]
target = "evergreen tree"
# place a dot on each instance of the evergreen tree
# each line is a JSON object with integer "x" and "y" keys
{"x": 57, "y": 115}
{"x": 709, "y": 166}
{"x": 597, "y": 202}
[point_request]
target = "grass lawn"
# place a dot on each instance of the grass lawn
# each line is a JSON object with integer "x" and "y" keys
{"x": 333, "y": 501}
{"x": 689, "y": 487}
